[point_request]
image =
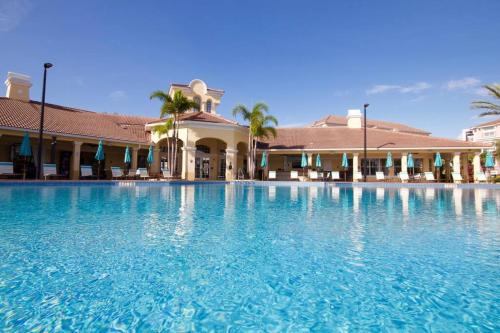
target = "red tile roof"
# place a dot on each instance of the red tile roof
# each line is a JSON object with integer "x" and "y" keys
{"x": 203, "y": 117}
{"x": 73, "y": 122}
{"x": 347, "y": 138}
{"x": 334, "y": 120}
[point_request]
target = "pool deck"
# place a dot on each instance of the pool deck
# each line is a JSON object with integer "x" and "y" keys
{"x": 126, "y": 183}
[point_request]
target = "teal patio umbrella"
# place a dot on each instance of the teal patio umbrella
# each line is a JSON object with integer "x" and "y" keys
{"x": 489, "y": 163}
{"x": 150, "y": 158}
{"x": 303, "y": 162}
{"x": 438, "y": 163}
{"x": 99, "y": 156}
{"x": 318, "y": 161}
{"x": 127, "y": 158}
{"x": 410, "y": 163}
{"x": 263, "y": 162}
{"x": 388, "y": 161}
{"x": 25, "y": 150}
{"x": 345, "y": 164}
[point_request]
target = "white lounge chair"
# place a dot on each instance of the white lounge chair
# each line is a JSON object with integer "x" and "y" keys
{"x": 357, "y": 175}
{"x": 404, "y": 177}
{"x": 294, "y": 175}
{"x": 86, "y": 171}
{"x": 335, "y": 175}
{"x": 142, "y": 173}
{"x": 481, "y": 177}
{"x": 380, "y": 175}
{"x": 429, "y": 176}
{"x": 6, "y": 168}
{"x": 313, "y": 175}
{"x": 457, "y": 177}
{"x": 117, "y": 172}
{"x": 271, "y": 175}
{"x": 49, "y": 170}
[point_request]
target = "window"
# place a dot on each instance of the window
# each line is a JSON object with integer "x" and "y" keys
{"x": 209, "y": 106}
{"x": 197, "y": 100}
{"x": 488, "y": 132}
{"x": 373, "y": 165}
{"x": 203, "y": 149}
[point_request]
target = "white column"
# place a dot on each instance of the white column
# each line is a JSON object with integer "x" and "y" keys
{"x": 231, "y": 163}
{"x": 404, "y": 162}
{"x": 310, "y": 159}
{"x": 135, "y": 157}
{"x": 456, "y": 164}
{"x": 476, "y": 163}
{"x": 355, "y": 164}
{"x": 188, "y": 159}
{"x": 155, "y": 167}
{"x": 75, "y": 160}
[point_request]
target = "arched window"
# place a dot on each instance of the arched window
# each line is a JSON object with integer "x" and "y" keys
{"x": 209, "y": 106}
{"x": 197, "y": 100}
{"x": 203, "y": 149}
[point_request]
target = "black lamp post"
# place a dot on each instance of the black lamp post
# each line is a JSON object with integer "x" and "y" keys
{"x": 46, "y": 66}
{"x": 365, "y": 154}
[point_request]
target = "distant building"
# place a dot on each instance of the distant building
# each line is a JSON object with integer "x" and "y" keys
{"x": 488, "y": 132}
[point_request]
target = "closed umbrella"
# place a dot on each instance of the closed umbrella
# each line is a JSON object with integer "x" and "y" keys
{"x": 99, "y": 156}
{"x": 127, "y": 159}
{"x": 303, "y": 162}
{"x": 25, "y": 150}
{"x": 410, "y": 163}
{"x": 318, "y": 161}
{"x": 438, "y": 163}
{"x": 345, "y": 164}
{"x": 388, "y": 161}
{"x": 489, "y": 163}
{"x": 150, "y": 158}
{"x": 263, "y": 161}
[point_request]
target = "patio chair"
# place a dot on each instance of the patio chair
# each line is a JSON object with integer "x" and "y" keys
{"x": 457, "y": 177}
{"x": 50, "y": 170}
{"x": 429, "y": 176}
{"x": 86, "y": 171}
{"x": 165, "y": 173}
{"x": 357, "y": 175}
{"x": 294, "y": 175}
{"x": 379, "y": 175}
{"x": 7, "y": 168}
{"x": 271, "y": 175}
{"x": 313, "y": 175}
{"x": 404, "y": 177}
{"x": 481, "y": 177}
{"x": 117, "y": 173}
{"x": 335, "y": 175}
{"x": 142, "y": 173}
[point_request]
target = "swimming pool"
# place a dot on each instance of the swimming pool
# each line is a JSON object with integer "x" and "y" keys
{"x": 248, "y": 258}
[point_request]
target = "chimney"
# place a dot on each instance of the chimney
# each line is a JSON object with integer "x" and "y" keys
{"x": 354, "y": 118}
{"x": 18, "y": 86}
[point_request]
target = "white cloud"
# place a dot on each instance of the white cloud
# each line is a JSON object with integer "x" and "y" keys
{"x": 118, "y": 95}
{"x": 12, "y": 12}
{"x": 463, "y": 84}
{"x": 413, "y": 88}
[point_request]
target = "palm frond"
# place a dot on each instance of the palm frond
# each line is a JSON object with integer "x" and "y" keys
{"x": 270, "y": 119}
{"x": 493, "y": 90}
{"x": 485, "y": 105}
{"x": 489, "y": 113}
{"x": 242, "y": 110}
{"x": 160, "y": 95}
{"x": 260, "y": 107}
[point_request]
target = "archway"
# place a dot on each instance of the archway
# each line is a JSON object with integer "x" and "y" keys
{"x": 242, "y": 172}
{"x": 210, "y": 159}
{"x": 169, "y": 159}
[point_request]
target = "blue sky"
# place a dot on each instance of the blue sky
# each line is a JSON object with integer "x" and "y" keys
{"x": 417, "y": 62}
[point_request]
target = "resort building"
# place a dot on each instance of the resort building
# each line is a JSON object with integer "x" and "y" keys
{"x": 213, "y": 147}
{"x": 487, "y": 132}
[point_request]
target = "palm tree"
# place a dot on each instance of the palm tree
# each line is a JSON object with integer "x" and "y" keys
{"x": 259, "y": 126}
{"x": 493, "y": 109}
{"x": 165, "y": 129}
{"x": 174, "y": 107}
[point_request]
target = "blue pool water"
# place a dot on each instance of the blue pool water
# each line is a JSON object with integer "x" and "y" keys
{"x": 248, "y": 258}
